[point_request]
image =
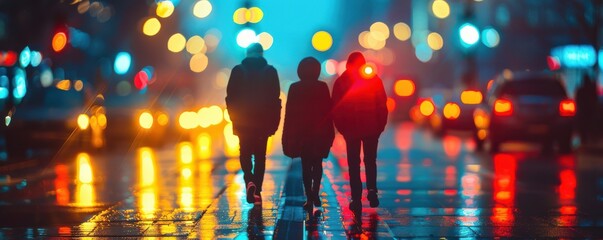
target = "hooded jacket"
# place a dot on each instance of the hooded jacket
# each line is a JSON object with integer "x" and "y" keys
{"x": 359, "y": 108}
{"x": 308, "y": 124}
{"x": 252, "y": 98}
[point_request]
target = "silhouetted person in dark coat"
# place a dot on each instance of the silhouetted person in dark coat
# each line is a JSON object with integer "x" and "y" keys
{"x": 252, "y": 100}
{"x": 308, "y": 132}
{"x": 586, "y": 104}
{"x": 360, "y": 115}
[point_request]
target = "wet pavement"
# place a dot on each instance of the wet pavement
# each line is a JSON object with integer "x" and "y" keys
{"x": 429, "y": 188}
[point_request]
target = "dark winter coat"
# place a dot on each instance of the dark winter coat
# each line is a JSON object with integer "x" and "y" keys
{"x": 359, "y": 108}
{"x": 308, "y": 124}
{"x": 252, "y": 98}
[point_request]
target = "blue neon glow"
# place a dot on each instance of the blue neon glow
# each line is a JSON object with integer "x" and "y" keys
{"x": 36, "y": 58}
{"x": 123, "y": 60}
{"x": 3, "y": 87}
{"x": 20, "y": 84}
{"x": 575, "y": 56}
{"x": 25, "y": 57}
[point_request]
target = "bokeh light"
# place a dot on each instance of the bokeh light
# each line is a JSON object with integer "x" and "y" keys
{"x": 435, "y": 41}
{"x": 427, "y": 107}
{"x": 151, "y": 27}
{"x": 374, "y": 42}
{"x": 195, "y": 44}
{"x": 46, "y": 77}
{"x": 246, "y": 37}
{"x": 20, "y": 84}
{"x": 145, "y": 120}
{"x": 123, "y": 88}
{"x": 469, "y": 34}
{"x": 423, "y": 52}
{"x": 176, "y": 43}
{"x": 329, "y": 66}
{"x": 238, "y": 16}
{"x": 266, "y": 40}
{"x": 379, "y": 31}
{"x": 59, "y": 41}
{"x": 83, "y": 121}
{"x": 322, "y": 41}
{"x": 78, "y": 85}
{"x": 440, "y": 8}
{"x": 402, "y": 31}
{"x": 36, "y": 58}
{"x": 202, "y": 9}
{"x": 404, "y": 87}
{"x": 254, "y": 15}
{"x": 198, "y": 62}
{"x": 363, "y": 39}
{"x": 141, "y": 80}
{"x": 490, "y": 37}
{"x": 123, "y": 60}
{"x": 164, "y": 9}
{"x": 452, "y": 111}
{"x": 25, "y": 57}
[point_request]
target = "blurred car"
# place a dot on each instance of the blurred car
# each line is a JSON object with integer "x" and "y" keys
{"x": 526, "y": 107}
{"x": 457, "y": 113}
{"x": 135, "y": 118}
{"x": 53, "y": 118}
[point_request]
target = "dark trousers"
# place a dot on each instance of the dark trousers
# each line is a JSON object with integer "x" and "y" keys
{"x": 311, "y": 174}
{"x": 369, "y": 146}
{"x": 253, "y": 158}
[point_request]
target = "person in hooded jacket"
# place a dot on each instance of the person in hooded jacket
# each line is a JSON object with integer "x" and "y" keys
{"x": 308, "y": 132}
{"x": 254, "y": 106}
{"x": 360, "y": 115}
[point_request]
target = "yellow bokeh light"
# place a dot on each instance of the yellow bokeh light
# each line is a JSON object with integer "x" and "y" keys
{"x": 322, "y": 41}
{"x": 427, "y": 108}
{"x": 198, "y": 62}
{"x": 226, "y": 116}
{"x": 64, "y": 85}
{"x": 84, "y": 168}
{"x": 78, "y": 85}
{"x": 188, "y": 120}
{"x": 402, "y": 31}
{"x": 145, "y": 120}
{"x": 404, "y": 87}
{"x": 239, "y": 16}
{"x": 204, "y": 145}
{"x": 185, "y": 152}
{"x": 165, "y": 9}
{"x": 380, "y": 31}
{"x": 254, "y": 15}
{"x": 59, "y": 41}
{"x": 452, "y": 111}
{"x": 195, "y": 45}
{"x": 435, "y": 41}
{"x": 471, "y": 97}
{"x": 440, "y": 8}
{"x": 162, "y": 119}
{"x": 202, "y": 9}
{"x": 373, "y": 41}
{"x": 266, "y": 40}
{"x": 147, "y": 166}
{"x": 176, "y": 43}
{"x": 83, "y": 121}
{"x": 151, "y": 27}
{"x": 363, "y": 39}
{"x": 216, "y": 116}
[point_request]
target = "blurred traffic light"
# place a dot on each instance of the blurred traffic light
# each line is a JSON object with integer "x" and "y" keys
{"x": 469, "y": 34}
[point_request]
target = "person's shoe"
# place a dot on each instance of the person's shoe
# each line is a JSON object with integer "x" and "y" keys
{"x": 308, "y": 206}
{"x": 251, "y": 192}
{"x": 257, "y": 198}
{"x": 355, "y": 205}
{"x": 373, "y": 198}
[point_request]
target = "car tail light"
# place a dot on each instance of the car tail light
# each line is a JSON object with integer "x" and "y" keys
{"x": 452, "y": 111}
{"x": 426, "y": 107}
{"x": 404, "y": 87}
{"x": 503, "y": 107}
{"x": 567, "y": 108}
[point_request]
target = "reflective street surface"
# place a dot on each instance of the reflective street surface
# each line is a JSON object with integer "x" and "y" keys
{"x": 429, "y": 187}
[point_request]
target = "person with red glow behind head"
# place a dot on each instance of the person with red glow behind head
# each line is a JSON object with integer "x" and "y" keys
{"x": 360, "y": 115}
{"x": 308, "y": 132}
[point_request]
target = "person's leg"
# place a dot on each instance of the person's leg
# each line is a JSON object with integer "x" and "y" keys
{"x": 259, "y": 154}
{"x": 316, "y": 178}
{"x": 307, "y": 181}
{"x": 353, "y": 152}
{"x": 369, "y": 145}
{"x": 245, "y": 151}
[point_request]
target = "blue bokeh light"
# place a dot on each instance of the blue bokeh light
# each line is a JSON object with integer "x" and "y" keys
{"x": 20, "y": 84}
{"x": 123, "y": 60}
{"x": 25, "y": 57}
{"x": 469, "y": 34}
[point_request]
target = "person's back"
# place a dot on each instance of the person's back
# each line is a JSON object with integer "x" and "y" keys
{"x": 252, "y": 100}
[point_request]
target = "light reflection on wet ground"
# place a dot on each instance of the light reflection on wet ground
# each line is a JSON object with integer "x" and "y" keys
{"x": 429, "y": 187}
